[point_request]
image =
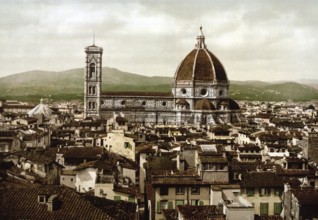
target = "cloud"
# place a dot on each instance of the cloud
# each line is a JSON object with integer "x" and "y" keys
{"x": 251, "y": 38}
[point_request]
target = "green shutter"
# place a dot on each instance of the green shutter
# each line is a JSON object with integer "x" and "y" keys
{"x": 158, "y": 206}
{"x": 131, "y": 199}
{"x": 201, "y": 203}
{"x": 179, "y": 202}
{"x": 116, "y": 198}
{"x": 264, "y": 208}
{"x": 170, "y": 205}
{"x": 277, "y": 208}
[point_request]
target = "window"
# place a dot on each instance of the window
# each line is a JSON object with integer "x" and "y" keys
{"x": 164, "y": 190}
{"x": 116, "y": 198}
{"x": 179, "y": 190}
{"x": 163, "y": 204}
{"x": 250, "y": 191}
{"x": 179, "y": 202}
{"x": 131, "y": 199}
{"x": 127, "y": 145}
{"x": 158, "y": 206}
{"x": 203, "y": 92}
{"x": 221, "y": 92}
{"x": 209, "y": 166}
{"x": 264, "y": 191}
{"x": 278, "y": 192}
{"x": 183, "y": 91}
{"x": 71, "y": 179}
{"x": 267, "y": 191}
{"x": 101, "y": 191}
{"x": 277, "y": 208}
{"x": 195, "y": 190}
{"x": 42, "y": 198}
{"x": 164, "y": 103}
{"x": 264, "y": 209}
{"x": 170, "y": 205}
{"x": 194, "y": 202}
{"x": 92, "y": 70}
{"x": 221, "y": 167}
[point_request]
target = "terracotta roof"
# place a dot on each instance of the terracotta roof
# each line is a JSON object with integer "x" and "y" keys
{"x": 141, "y": 94}
{"x": 200, "y": 64}
{"x": 213, "y": 159}
{"x": 204, "y": 104}
{"x": 306, "y": 196}
{"x": 181, "y": 181}
{"x": 261, "y": 179}
{"x": 170, "y": 214}
{"x": 37, "y": 157}
{"x": 119, "y": 210}
{"x": 22, "y": 203}
{"x": 84, "y": 152}
{"x": 210, "y": 212}
{"x": 233, "y": 105}
{"x": 270, "y": 217}
{"x": 182, "y": 102}
{"x": 128, "y": 190}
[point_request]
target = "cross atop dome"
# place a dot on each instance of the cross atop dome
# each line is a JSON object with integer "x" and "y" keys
{"x": 200, "y": 40}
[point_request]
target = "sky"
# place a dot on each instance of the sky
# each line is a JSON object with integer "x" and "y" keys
{"x": 264, "y": 40}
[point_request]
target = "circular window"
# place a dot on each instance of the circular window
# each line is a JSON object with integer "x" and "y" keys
{"x": 204, "y": 92}
{"x": 183, "y": 91}
{"x": 144, "y": 103}
{"x": 164, "y": 103}
{"x": 123, "y": 102}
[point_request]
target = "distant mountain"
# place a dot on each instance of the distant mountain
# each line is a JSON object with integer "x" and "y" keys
{"x": 68, "y": 85}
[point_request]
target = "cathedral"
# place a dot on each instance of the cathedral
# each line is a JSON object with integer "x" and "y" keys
{"x": 200, "y": 93}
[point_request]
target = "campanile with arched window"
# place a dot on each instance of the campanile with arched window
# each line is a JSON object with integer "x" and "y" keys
{"x": 93, "y": 80}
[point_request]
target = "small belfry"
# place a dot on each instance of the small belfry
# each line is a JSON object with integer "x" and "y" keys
{"x": 199, "y": 94}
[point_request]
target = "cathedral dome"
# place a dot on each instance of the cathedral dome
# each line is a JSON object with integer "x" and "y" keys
{"x": 201, "y": 64}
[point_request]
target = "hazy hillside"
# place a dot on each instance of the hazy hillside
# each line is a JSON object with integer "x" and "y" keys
{"x": 274, "y": 92}
{"x": 31, "y": 86}
{"x": 68, "y": 85}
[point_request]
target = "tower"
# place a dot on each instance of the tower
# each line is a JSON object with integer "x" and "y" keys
{"x": 93, "y": 80}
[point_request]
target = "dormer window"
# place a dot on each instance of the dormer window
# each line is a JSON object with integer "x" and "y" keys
{"x": 42, "y": 198}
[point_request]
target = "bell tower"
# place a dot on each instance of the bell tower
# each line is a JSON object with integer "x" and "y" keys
{"x": 93, "y": 80}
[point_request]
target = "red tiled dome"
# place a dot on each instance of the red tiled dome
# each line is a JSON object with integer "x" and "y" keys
{"x": 201, "y": 64}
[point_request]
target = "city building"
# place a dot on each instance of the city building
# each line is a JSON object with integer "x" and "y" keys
{"x": 200, "y": 93}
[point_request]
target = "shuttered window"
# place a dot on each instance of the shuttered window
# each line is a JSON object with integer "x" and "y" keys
{"x": 264, "y": 209}
{"x": 277, "y": 208}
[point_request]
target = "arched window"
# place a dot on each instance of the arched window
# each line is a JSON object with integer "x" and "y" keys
{"x": 92, "y": 90}
{"x": 92, "y": 70}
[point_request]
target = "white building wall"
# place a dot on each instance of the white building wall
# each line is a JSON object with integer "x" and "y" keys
{"x": 115, "y": 142}
{"x": 85, "y": 180}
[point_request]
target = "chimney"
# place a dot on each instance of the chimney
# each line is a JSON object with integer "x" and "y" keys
{"x": 52, "y": 203}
